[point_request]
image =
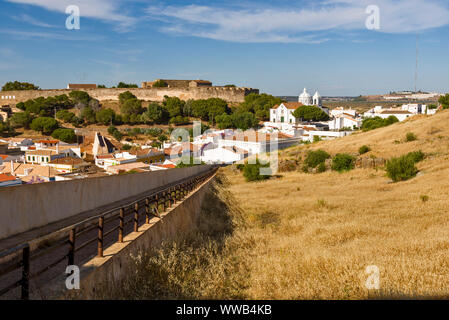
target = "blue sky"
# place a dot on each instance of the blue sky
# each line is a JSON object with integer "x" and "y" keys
{"x": 279, "y": 47}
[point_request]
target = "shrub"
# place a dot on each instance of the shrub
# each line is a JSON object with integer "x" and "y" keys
{"x": 316, "y": 139}
{"x": 112, "y": 129}
{"x": 424, "y": 198}
{"x": 403, "y": 168}
{"x": 117, "y": 135}
{"x": 153, "y": 132}
{"x": 321, "y": 168}
{"x": 162, "y": 138}
{"x": 343, "y": 162}
{"x": 65, "y": 135}
{"x": 410, "y": 136}
{"x": 416, "y": 156}
{"x": 251, "y": 172}
{"x": 364, "y": 149}
{"x": 314, "y": 158}
{"x": 127, "y": 147}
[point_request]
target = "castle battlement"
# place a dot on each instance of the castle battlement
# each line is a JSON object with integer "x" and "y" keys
{"x": 229, "y": 94}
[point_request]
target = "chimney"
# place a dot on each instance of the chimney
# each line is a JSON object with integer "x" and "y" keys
{"x": 57, "y": 147}
{"x": 12, "y": 168}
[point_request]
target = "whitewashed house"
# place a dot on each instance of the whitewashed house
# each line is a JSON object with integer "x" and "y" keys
{"x": 344, "y": 121}
{"x": 224, "y": 155}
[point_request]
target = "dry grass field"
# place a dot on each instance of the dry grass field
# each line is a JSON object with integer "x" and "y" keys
{"x": 311, "y": 236}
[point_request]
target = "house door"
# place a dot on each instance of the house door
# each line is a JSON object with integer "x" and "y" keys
{"x": 282, "y": 119}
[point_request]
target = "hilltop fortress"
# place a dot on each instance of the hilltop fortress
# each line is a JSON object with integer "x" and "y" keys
{"x": 183, "y": 89}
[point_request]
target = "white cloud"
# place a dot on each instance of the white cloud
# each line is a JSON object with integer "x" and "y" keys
{"x": 29, "y": 19}
{"x": 295, "y": 24}
{"x": 106, "y": 10}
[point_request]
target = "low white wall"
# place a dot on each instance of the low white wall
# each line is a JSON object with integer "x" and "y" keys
{"x": 26, "y": 207}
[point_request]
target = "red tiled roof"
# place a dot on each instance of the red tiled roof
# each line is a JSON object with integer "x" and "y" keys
{"x": 6, "y": 177}
{"x": 3, "y": 156}
{"x": 289, "y": 105}
{"x": 105, "y": 156}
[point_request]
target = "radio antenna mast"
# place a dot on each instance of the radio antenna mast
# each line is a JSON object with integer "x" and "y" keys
{"x": 417, "y": 56}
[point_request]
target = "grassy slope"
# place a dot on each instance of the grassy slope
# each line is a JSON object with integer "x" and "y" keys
{"x": 316, "y": 234}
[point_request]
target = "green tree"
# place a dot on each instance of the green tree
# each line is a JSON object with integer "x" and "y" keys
{"x": 131, "y": 106}
{"x": 16, "y": 85}
{"x": 21, "y": 120}
{"x": 200, "y": 109}
{"x": 260, "y": 104}
{"x": 155, "y": 114}
{"x": 6, "y": 129}
{"x": 174, "y": 106}
{"x": 122, "y": 97}
{"x": 105, "y": 116}
{"x": 79, "y": 97}
{"x": 444, "y": 100}
{"x": 310, "y": 113}
{"x": 224, "y": 121}
{"x": 88, "y": 115}
{"x": 244, "y": 120}
{"x": 65, "y": 135}
{"x": 45, "y": 125}
{"x": 126, "y": 85}
{"x": 217, "y": 107}
{"x": 65, "y": 116}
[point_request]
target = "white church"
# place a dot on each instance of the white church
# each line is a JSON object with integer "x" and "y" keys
{"x": 283, "y": 113}
{"x": 306, "y": 99}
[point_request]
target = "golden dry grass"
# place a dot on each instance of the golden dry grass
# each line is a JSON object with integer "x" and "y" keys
{"x": 311, "y": 236}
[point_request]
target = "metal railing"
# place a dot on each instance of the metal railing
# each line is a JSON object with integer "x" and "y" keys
{"x": 20, "y": 258}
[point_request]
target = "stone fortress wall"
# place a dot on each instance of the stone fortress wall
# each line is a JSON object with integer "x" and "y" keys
{"x": 230, "y": 94}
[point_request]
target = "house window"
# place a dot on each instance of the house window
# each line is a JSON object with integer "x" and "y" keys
{"x": 33, "y": 159}
{"x": 290, "y": 120}
{"x": 282, "y": 119}
{"x": 274, "y": 119}
{"x": 48, "y": 159}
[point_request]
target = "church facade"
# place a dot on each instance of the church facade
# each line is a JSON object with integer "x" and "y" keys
{"x": 283, "y": 113}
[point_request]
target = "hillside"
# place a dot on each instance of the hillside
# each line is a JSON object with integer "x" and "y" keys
{"x": 311, "y": 236}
